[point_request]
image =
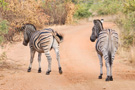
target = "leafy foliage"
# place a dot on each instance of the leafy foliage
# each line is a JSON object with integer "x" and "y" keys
{"x": 82, "y": 10}
{"x": 3, "y": 4}
{"x": 59, "y": 11}
{"x": 56, "y": 10}
{"x": 129, "y": 6}
{"x": 25, "y": 11}
{"x": 4, "y": 26}
{"x": 107, "y": 7}
{"x": 3, "y": 30}
{"x": 127, "y": 22}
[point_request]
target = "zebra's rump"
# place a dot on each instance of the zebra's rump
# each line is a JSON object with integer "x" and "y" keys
{"x": 57, "y": 36}
{"x": 108, "y": 39}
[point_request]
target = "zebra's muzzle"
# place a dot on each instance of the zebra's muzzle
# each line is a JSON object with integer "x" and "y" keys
{"x": 92, "y": 40}
{"x": 25, "y": 44}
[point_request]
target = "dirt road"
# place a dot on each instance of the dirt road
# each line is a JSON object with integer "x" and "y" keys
{"x": 79, "y": 62}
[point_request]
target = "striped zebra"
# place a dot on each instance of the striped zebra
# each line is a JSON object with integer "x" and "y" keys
{"x": 42, "y": 41}
{"x": 106, "y": 46}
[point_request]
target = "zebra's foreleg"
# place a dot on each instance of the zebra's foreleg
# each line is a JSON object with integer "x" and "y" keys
{"x": 58, "y": 59}
{"x": 47, "y": 53}
{"x": 39, "y": 61}
{"x": 31, "y": 59}
{"x": 101, "y": 65}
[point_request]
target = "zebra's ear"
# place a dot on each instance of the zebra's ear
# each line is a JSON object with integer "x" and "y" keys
{"x": 102, "y": 20}
{"x": 94, "y": 21}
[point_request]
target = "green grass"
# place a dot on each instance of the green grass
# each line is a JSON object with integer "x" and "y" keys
{"x": 3, "y": 29}
{"x": 4, "y": 26}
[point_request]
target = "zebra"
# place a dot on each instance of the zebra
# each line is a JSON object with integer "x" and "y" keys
{"x": 106, "y": 46}
{"x": 42, "y": 41}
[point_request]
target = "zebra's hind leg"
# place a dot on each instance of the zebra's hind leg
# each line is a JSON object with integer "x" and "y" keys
{"x": 108, "y": 69}
{"x": 47, "y": 53}
{"x": 31, "y": 59}
{"x": 58, "y": 59}
{"x": 111, "y": 77}
{"x": 39, "y": 61}
{"x": 106, "y": 57}
{"x": 101, "y": 65}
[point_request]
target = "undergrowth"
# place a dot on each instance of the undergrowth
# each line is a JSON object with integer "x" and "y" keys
{"x": 82, "y": 10}
{"x": 3, "y": 29}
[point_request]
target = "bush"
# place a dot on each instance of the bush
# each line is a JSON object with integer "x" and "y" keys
{"x": 25, "y": 11}
{"x": 59, "y": 11}
{"x": 82, "y": 11}
{"x": 107, "y": 7}
{"x": 3, "y": 30}
{"x": 129, "y": 6}
{"x": 127, "y": 21}
{"x": 3, "y": 4}
{"x": 56, "y": 10}
{"x": 4, "y": 27}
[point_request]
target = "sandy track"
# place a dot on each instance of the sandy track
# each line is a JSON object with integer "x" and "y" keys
{"x": 79, "y": 63}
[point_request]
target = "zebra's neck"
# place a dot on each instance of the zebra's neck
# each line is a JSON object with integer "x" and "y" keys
{"x": 99, "y": 32}
{"x": 100, "y": 28}
{"x": 31, "y": 33}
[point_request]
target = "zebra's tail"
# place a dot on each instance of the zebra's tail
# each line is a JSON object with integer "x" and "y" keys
{"x": 60, "y": 36}
{"x": 110, "y": 48}
{"x": 110, "y": 57}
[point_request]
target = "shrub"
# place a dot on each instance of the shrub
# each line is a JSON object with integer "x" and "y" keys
{"x": 25, "y": 11}
{"x": 127, "y": 22}
{"x": 70, "y": 9}
{"x": 3, "y": 4}
{"x": 107, "y": 7}
{"x": 82, "y": 11}
{"x": 129, "y": 6}
{"x": 4, "y": 26}
{"x": 58, "y": 10}
{"x": 3, "y": 29}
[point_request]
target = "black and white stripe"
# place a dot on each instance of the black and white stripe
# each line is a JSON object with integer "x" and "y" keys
{"x": 42, "y": 41}
{"x": 106, "y": 46}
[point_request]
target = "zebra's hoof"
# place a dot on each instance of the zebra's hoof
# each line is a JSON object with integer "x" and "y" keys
{"x": 39, "y": 70}
{"x": 108, "y": 78}
{"x": 100, "y": 77}
{"x": 60, "y": 70}
{"x": 48, "y": 72}
{"x": 111, "y": 78}
{"x": 29, "y": 70}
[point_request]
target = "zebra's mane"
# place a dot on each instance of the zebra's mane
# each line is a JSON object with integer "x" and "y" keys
{"x": 98, "y": 24}
{"x": 30, "y": 26}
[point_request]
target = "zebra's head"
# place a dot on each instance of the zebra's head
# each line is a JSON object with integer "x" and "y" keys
{"x": 98, "y": 26}
{"x": 28, "y": 29}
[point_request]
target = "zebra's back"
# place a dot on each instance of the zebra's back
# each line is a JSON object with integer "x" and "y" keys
{"x": 41, "y": 40}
